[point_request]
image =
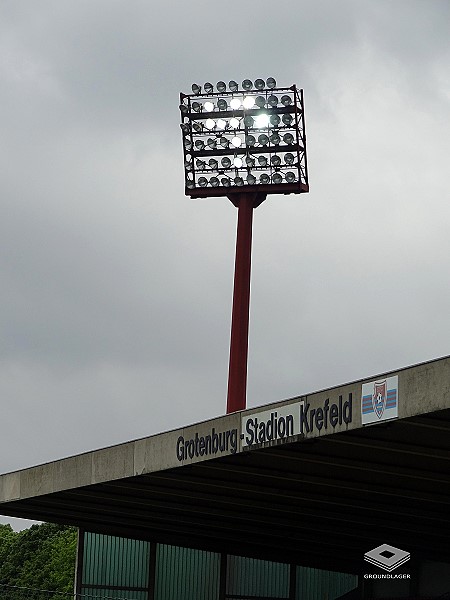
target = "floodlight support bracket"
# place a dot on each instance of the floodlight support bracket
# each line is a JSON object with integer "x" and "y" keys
{"x": 237, "y": 371}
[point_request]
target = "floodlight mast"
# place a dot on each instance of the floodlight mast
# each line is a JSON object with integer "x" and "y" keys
{"x": 243, "y": 144}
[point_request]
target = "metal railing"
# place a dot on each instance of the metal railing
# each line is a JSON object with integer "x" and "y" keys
{"x": 11, "y": 592}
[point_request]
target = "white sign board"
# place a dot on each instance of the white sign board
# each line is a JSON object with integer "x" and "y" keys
{"x": 271, "y": 425}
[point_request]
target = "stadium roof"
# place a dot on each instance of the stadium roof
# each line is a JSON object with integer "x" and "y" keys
{"x": 317, "y": 480}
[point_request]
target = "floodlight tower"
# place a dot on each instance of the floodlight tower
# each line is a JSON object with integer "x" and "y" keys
{"x": 243, "y": 143}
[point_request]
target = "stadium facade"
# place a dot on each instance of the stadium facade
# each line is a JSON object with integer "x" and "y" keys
{"x": 344, "y": 492}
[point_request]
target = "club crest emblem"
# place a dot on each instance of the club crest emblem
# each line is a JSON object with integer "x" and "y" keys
{"x": 379, "y": 400}
{"x": 379, "y": 397}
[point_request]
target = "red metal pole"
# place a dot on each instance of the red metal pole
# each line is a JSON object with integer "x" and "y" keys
{"x": 237, "y": 372}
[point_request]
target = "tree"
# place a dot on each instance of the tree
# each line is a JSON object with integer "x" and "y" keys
{"x": 42, "y": 556}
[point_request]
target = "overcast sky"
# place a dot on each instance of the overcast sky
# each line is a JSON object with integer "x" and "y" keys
{"x": 116, "y": 289}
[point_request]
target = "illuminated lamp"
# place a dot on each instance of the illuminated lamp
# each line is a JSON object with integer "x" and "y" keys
{"x": 249, "y": 102}
{"x": 262, "y": 121}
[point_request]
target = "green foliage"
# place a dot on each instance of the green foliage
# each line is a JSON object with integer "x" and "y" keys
{"x": 42, "y": 556}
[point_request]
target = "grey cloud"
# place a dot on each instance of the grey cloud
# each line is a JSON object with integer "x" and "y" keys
{"x": 116, "y": 289}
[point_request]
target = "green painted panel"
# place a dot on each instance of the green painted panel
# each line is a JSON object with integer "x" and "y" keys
{"x": 252, "y": 577}
{"x": 186, "y": 574}
{"x": 316, "y": 584}
{"x": 114, "y": 561}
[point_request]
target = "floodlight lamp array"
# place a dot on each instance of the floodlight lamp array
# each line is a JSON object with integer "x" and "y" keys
{"x": 233, "y": 86}
{"x": 243, "y": 138}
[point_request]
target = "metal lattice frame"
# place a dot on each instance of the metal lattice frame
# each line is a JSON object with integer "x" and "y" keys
{"x": 239, "y": 141}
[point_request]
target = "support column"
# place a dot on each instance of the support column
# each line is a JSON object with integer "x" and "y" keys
{"x": 79, "y": 564}
{"x": 237, "y": 372}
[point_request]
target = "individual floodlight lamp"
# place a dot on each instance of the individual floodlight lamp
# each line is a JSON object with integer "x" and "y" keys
{"x": 243, "y": 142}
{"x": 249, "y": 102}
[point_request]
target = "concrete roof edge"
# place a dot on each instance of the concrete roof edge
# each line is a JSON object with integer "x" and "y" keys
{"x": 140, "y": 456}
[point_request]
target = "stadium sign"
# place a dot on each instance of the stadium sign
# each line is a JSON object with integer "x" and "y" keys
{"x": 271, "y": 425}
{"x": 330, "y": 414}
{"x": 295, "y": 419}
